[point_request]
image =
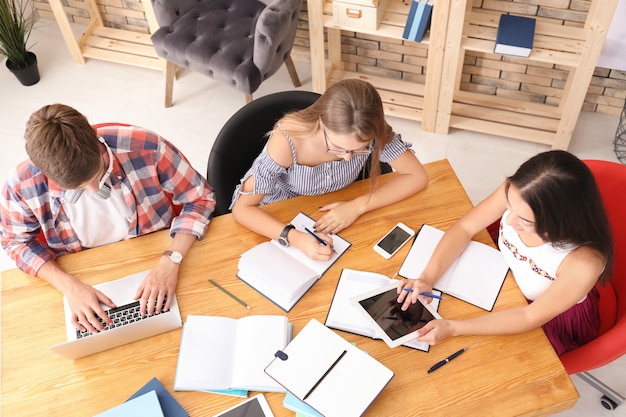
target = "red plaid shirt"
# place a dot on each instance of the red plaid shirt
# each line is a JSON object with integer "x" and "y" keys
{"x": 149, "y": 170}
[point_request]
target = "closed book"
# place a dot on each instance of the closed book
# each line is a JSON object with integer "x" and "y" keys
{"x": 515, "y": 35}
{"x": 145, "y": 405}
{"x": 415, "y": 21}
{"x": 424, "y": 22}
{"x": 409, "y": 19}
{"x": 169, "y": 405}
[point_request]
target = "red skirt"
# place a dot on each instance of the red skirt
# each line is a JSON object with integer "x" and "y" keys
{"x": 576, "y": 326}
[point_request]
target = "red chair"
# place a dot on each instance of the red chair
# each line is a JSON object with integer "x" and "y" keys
{"x": 611, "y": 342}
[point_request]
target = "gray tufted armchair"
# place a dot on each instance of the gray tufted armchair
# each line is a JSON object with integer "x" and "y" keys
{"x": 237, "y": 42}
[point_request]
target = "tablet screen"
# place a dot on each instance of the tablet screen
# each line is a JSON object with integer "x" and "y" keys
{"x": 256, "y": 406}
{"x": 388, "y": 314}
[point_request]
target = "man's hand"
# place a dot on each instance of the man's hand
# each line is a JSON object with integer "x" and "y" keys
{"x": 159, "y": 285}
{"x": 84, "y": 301}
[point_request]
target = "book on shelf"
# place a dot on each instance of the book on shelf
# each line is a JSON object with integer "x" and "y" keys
{"x": 285, "y": 274}
{"x": 328, "y": 373}
{"x": 169, "y": 405}
{"x": 476, "y": 276}
{"x": 222, "y": 353}
{"x": 256, "y": 406}
{"x": 515, "y": 35}
{"x": 343, "y": 315}
{"x": 418, "y": 20}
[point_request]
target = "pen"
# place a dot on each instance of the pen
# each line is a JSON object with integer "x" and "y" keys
{"x": 431, "y": 295}
{"x": 425, "y": 294}
{"x": 324, "y": 375}
{"x": 231, "y": 295}
{"x": 446, "y": 360}
{"x": 319, "y": 239}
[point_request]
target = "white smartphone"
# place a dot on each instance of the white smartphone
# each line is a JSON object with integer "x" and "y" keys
{"x": 393, "y": 240}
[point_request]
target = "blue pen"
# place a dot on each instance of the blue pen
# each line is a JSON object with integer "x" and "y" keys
{"x": 319, "y": 239}
{"x": 425, "y": 294}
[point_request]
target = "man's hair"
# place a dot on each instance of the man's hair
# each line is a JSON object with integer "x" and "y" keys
{"x": 564, "y": 197}
{"x": 63, "y": 145}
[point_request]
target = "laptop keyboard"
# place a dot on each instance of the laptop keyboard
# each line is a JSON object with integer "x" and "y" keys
{"x": 121, "y": 316}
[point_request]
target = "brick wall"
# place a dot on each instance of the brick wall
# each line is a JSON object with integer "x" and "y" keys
{"x": 485, "y": 73}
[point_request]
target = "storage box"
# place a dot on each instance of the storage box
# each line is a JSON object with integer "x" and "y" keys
{"x": 359, "y": 14}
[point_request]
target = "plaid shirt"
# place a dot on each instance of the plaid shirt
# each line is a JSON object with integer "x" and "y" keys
{"x": 149, "y": 170}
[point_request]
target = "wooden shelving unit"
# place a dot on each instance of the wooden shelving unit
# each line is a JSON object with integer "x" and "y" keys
{"x": 456, "y": 28}
{"x": 400, "y": 98}
{"x": 109, "y": 44}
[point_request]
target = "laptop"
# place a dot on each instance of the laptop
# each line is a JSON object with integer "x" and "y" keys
{"x": 128, "y": 328}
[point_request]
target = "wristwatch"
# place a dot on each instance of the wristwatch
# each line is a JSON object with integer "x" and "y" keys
{"x": 174, "y": 256}
{"x": 282, "y": 239}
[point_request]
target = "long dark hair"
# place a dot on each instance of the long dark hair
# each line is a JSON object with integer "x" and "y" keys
{"x": 564, "y": 197}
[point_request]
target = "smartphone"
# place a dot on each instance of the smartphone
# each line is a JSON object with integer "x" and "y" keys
{"x": 393, "y": 240}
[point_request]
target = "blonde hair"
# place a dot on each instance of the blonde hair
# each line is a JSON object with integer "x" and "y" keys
{"x": 350, "y": 106}
{"x": 63, "y": 145}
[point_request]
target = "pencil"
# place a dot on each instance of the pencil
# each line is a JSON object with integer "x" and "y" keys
{"x": 231, "y": 295}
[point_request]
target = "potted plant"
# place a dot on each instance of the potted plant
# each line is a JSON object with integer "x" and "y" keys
{"x": 16, "y": 24}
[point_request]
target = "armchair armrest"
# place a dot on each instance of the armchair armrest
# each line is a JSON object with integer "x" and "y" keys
{"x": 274, "y": 34}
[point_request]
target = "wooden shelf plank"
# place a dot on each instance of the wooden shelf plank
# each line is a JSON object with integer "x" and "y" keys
{"x": 122, "y": 58}
{"x": 499, "y": 129}
{"x": 508, "y": 104}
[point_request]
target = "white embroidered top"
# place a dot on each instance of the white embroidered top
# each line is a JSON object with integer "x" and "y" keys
{"x": 534, "y": 268}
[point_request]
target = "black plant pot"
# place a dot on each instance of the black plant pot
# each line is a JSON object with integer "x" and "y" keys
{"x": 27, "y": 75}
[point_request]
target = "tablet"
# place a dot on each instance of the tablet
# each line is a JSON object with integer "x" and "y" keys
{"x": 256, "y": 406}
{"x": 393, "y": 325}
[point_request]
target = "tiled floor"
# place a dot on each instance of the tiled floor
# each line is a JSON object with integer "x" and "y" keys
{"x": 107, "y": 92}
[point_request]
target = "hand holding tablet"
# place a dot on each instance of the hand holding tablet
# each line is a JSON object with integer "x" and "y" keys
{"x": 395, "y": 326}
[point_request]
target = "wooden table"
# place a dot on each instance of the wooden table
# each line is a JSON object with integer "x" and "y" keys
{"x": 498, "y": 376}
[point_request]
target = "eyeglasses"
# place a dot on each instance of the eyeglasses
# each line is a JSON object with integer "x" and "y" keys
{"x": 344, "y": 152}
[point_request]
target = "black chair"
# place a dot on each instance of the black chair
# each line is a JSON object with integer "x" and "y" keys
{"x": 243, "y": 137}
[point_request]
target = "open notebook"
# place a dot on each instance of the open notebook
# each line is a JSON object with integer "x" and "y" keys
{"x": 476, "y": 276}
{"x": 328, "y": 373}
{"x": 285, "y": 274}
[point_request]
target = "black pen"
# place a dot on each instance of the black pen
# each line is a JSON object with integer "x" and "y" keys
{"x": 324, "y": 375}
{"x": 446, "y": 360}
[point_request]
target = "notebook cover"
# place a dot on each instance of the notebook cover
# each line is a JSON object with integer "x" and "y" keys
{"x": 169, "y": 405}
{"x": 515, "y": 35}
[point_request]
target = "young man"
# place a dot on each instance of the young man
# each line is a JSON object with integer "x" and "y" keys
{"x": 84, "y": 187}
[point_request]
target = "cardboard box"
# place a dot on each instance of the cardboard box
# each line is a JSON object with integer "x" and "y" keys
{"x": 359, "y": 14}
